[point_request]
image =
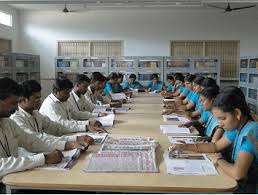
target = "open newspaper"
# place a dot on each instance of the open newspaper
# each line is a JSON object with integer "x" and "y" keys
{"x": 187, "y": 139}
{"x": 123, "y": 161}
{"x": 129, "y": 144}
{"x": 188, "y": 164}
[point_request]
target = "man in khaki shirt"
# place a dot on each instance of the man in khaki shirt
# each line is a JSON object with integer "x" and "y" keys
{"x": 12, "y": 137}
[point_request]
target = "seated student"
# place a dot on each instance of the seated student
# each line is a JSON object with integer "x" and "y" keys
{"x": 30, "y": 120}
{"x": 58, "y": 109}
{"x": 112, "y": 80}
{"x": 171, "y": 83}
{"x": 178, "y": 86}
{"x": 117, "y": 87}
{"x": 94, "y": 93}
{"x": 187, "y": 86}
{"x": 233, "y": 115}
{"x": 207, "y": 82}
{"x": 77, "y": 98}
{"x": 208, "y": 124}
{"x": 155, "y": 85}
{"x": 12, "y": 136}
{"x": 132, "y": 83}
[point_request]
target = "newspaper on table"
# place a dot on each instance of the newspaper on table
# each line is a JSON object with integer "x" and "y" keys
{"x": 106, "y": 121}
{"x": 129, "y": 144}
{"x": 118, "y": 96}
{"x": 99, "y": 138}
{"x": 123, "y": 161}
{"x": 103, "y": 109}
{"x": 175, "y": 118}
{"x": 184, "y": 139}
{"x": 70, "y": 157}
{"x": 188, "y": 164}
{"x": 121, "y": 109}
{"x": 174, "y": 129}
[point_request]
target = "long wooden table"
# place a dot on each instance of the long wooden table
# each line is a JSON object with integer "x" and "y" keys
{"x": 143, "y": 119}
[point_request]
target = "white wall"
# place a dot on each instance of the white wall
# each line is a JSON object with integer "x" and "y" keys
{"x": 145, "y": 32}
{"x": 11, "y": 33}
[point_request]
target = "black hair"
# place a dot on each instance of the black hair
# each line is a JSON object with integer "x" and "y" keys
{"x": 233, "y": 89}
{"x": 120, "y": 75}
{"x": 132, "y": 76}
{"x": 210, "y": 92}
{"x": 208, "y": 82}
{"x": 29, "y": 87}
{"x": 97, "y": 76}
{"x": 62, "y": 83}
{"x": 189, "y": 77}
{"x": 198, "y": 80}
{"x": 112, "y": 76}
{"x": 154, "y": 76}
{"x": 9, "y": 87}
{"x": 82, "y": 78}
{"x": 179, "y": 76}
{"x": 228, "y": 101}
{"x": 170, "y": 77}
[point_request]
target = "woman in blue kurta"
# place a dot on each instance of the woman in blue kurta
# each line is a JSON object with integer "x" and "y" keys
{"x": 112, "y": 79}
{"x": 233, "y": 115}
{"x": 208, "y": 124}
{"x": 155, "y": 84}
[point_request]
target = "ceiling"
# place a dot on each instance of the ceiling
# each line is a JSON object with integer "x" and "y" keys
{"x": 122, "y": 4}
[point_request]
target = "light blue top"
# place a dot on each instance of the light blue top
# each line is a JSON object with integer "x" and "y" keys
{"x": 185, "y": 92}
{"x": 195, "y": 98}
{"x": 189, "y": 96}
{"x": 170, "y": 87}
{"x": 205, "y": 116}
{"x": 108, "y": 88}
{"x": 155, "y": 86}
{"x": 244, "y": 141}
{"x": 134, "y": 85}
{"x": 211, "y": 125}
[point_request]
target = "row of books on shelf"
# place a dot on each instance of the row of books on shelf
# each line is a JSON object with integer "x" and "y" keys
{"x": 253, "y": 63}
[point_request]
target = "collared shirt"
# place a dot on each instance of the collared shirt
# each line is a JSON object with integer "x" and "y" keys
{"x": 92, "y": 99}
{"x": 41, "y": 126}
{"x": 12, "y": 136}
{"x": 80, "y": 105}
{"x": 63, "y": 113}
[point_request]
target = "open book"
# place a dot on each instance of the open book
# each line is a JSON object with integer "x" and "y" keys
{"x": 188, "y": 164}
{"x": 103, "y": 109}
{"x": 99, "y": 138}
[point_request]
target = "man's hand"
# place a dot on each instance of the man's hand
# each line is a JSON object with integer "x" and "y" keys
{"x": 87, "y": 139}
{"x": 100, "y": 114}
{"x": 53, "y": 157}
{"x": 96, "y": 126}
{"x": 76, "y": 144}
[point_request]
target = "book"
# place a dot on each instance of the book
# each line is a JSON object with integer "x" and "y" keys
{"x": 188, "y": 164}
{"x": 175, "y": 118}
{"x": 99, "y": 138}
{"x": 106, "y": 121}
{"x": 118, "y": 96}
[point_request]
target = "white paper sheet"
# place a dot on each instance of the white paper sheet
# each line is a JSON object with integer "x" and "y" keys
{"x": 183, "y": 139}
{"x": 103, "y": 109}
{"x": 106, "y": 121}
{"x": 169, "y": 100}
{"x": 173, "y": 129}
{"x": 180, "y": 166}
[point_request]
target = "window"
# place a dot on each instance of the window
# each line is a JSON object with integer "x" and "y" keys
{"x": 5, "y": 19}
{"x": 227, "y": 51}
{"x": 90, "y": 48}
